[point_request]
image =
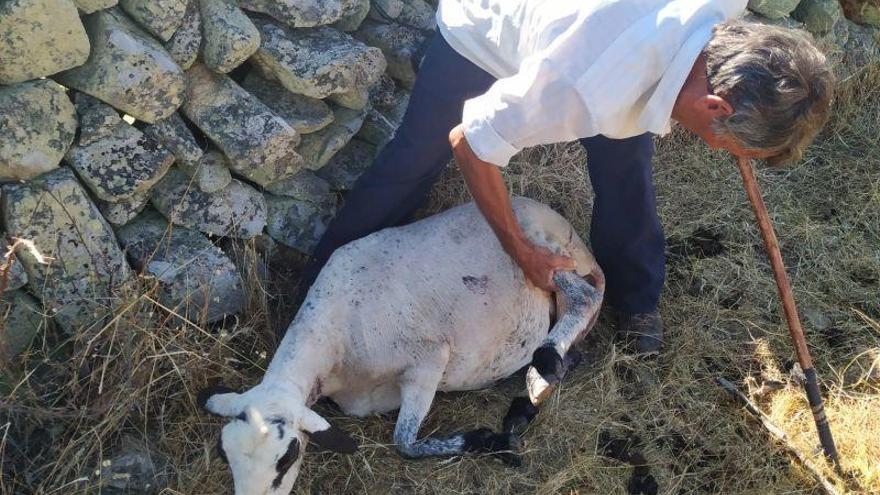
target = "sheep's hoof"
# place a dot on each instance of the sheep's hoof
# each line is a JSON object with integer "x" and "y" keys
{"x": 544, "y": 374}
{"x": 519, "y": 415}
{"x": 501, "y": 445}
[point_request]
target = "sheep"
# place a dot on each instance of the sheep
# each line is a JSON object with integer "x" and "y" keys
{"x": 398, "y": 315}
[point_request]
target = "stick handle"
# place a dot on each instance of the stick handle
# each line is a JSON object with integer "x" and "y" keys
{"x": 788, "y": 306}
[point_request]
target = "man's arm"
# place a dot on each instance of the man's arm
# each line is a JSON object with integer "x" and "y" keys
{"x": 487, "y": 187}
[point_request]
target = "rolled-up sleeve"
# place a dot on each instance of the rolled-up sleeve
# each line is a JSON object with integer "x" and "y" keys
{"x": 537, "y": 105}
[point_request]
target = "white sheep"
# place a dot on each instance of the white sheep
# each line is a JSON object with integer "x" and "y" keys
{"x": 398, "y": 315}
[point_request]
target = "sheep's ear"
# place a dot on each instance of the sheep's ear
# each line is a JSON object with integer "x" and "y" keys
{"x": 220, "y": 400}
{"x": 327, "y": 436}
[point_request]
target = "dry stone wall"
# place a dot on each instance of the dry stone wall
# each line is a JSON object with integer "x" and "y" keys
{"x": 225, "y": 119}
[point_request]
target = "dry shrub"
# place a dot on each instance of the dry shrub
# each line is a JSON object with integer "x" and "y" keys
{"x": 76, "y": 400}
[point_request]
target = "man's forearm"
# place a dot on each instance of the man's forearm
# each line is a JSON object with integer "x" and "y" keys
{"x": 487, "y": 187}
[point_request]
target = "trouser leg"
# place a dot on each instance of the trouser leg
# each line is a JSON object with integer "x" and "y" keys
{"x": 626, "y": 235}
{"x": 399, "y": 180}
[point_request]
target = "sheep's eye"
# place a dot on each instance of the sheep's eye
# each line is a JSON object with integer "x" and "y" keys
{"x": 286, "y": 461}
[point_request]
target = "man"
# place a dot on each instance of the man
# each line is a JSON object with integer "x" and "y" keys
{"x": 507, "y": 74}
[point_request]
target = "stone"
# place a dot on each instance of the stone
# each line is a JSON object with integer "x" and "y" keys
{"x": 303, "y": 113}
{"x": 319, "y": 147}
{"x": 418, "y": 14}
{"x": 356, "y": 99}
{"x": 354, "y": 17}
{"x": 22, "y": 321}
{"x": 400, "y": 45}
{"x": 37, "y": 125}
{"x": 89, "y": 6}
{"x": 385, "y": 10}
{"x": 304, "y": 185}
{"x": 127, "y": 69}
{"x": 160, "y": 17}
{"x": 816, "y": 319}
{"x": 773, "y": 9}
{"x": 300, "y": 13}
{"x": 298, "y": 223}
{"x": 383, "y": 93}
{"x": 115, "y": 160}
{"x": 78, "y": 267}
{"x": 130, "y": 472}
{"x": 818, "y": 16}
{"x": 17, "y": 277}
{"x": 173, "y": 133}
{"x": 184, "y": 45}
{"x": 39, "y": 38}
{"x": 197, "y": 280}
{"x": 235, "y": 211}
{"x": 862, "y": 11}
{"x": 230, "y": 37}
{"x": 344, "y": 169}
{"x": 212, "y": 174}
{"x": 382, "y": 122}
{"x": 862, "y": 46}
{"x": 316, "y": 62}
{"x": 122, "y": 212}
{"x": 258, "y": 143}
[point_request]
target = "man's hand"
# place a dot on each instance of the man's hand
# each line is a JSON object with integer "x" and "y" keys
{"x": 539, "y": 264}
{"x": 487, "y": 187}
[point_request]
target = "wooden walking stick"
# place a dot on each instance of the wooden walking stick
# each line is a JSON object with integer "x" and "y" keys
{"x": 794, "y": 324}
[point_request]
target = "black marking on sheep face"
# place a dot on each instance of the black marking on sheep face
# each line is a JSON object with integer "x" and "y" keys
{"x": 335, "y": 440}
{"x": 286, "y": 461}
{"x": 476, "y": 285}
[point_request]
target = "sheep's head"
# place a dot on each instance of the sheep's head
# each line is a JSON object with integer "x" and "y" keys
{"x": 265, "y": 439}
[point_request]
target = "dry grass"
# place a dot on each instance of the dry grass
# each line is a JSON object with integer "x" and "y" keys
{"x": 75, "y": 401}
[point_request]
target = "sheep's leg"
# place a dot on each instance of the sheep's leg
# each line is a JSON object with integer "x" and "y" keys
{"x": 581, "y": 302}
{"x": 417, "y": 393}
{"x": 521, "y": 411}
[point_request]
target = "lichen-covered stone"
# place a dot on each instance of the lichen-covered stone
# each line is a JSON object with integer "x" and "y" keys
{"x": 39, "y": 38}
{"x": 862, "y": 46}
{"x": 212, "y": 173}
{"x": 418, "y": 14}
{"x": 300, "y": 13}
{"x": 229, "y": 36}
{"x": 160, "y": 17}
{"x": 316, "y": 62}
{"x": 175, "y": 136}
{"x": 354, "y": 16}
{"x": 382, "y": 121}
{"x": 818, "y": 16}
{"x": 303, "y": 113}
{"x": 356, "y": 99}
{"x": 185, "y": 43}
{"x": 22, "y": 321}
{"x": 115, "y": 160}
{"x": 862, "y": 11}
{"x": 37, "y": 125}
{"x": 773, "y": 9}
{"x": 84, "y": 265}
{"x": 399, "y": 44}
{"x": 127, "y": 69}
{"x": 304, "y": 185}
{"x": 197, "y": 280}
{"x": 260, "y": 145}
{"x": 89, "y": 6}
{"x": 122, "y": 212}
{"x": 17, "y": 277}
{"x": 346, "y": 166}
{"x": 236, "y": 211}
{"x": 319, "y": 147}
{"x": 382, "y": 10}
{"x": 298, "y": 223}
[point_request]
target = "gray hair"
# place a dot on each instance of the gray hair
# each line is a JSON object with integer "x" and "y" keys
{"x": 777, "y": 81}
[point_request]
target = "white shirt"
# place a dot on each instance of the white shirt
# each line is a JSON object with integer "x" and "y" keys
{"x": 569, "y": 69}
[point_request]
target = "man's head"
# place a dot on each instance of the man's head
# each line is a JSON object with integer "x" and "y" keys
{"x": 766, "y": 92}
{"x": 266, "y": 436}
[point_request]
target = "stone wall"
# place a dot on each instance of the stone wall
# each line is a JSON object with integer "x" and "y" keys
{"x": 226, "y": 119}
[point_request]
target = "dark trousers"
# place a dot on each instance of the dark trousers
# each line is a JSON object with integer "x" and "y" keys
{"x": 625, "y": 236}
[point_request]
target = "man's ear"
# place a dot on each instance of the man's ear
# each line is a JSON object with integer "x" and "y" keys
{"x": 220, "y": 401}
{"x": 714, "y": 106}
{"x": 326, "y": 436}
